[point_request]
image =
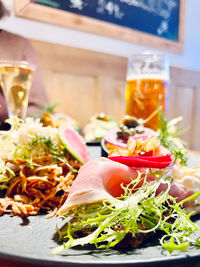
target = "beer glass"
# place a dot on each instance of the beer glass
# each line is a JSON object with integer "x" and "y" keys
{"x": 146, "y": 87}
{"x": 16, "y": 81}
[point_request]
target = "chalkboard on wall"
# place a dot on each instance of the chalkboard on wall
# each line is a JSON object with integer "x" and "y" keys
{"x": 154, "y": 23}
{"x": 157, "y": 17}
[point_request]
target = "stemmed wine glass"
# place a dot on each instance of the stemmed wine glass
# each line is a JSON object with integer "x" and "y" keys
{"x": 16, "y": 80}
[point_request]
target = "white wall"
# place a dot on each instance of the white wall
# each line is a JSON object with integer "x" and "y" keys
{"x": 35, "y": 30}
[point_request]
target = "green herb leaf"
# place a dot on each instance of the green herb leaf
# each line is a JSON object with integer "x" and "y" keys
{"x": 167, "y": 135}
{"x": 40, "y": 146}
{"x": 171, "y": 246}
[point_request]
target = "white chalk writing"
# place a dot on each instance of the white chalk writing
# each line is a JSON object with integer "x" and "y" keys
{"x": 162, "y": 28}
{"x": 110, "y": 8}
{"x": 117, "y": 9}
{"x": 161, "y": 8}
{"x": 79, "y": 4}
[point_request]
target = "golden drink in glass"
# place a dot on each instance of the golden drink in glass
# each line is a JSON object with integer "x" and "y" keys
{"x": 16, "y": 81}
{"x": 146, "y": 89}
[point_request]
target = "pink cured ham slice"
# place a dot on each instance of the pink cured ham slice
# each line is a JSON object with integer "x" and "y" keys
{"x": 99, "y": 179}
{"x": 178, "y": 191}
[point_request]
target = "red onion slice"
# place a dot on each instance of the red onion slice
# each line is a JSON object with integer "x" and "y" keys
{"x": 112, "y": 138}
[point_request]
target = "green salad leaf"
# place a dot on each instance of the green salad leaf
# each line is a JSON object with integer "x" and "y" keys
{"x": 5, "y": 175}
{"x": 40, "y": 146}
{"x": 138, "y": 211}
{"x": 168, "y": 136}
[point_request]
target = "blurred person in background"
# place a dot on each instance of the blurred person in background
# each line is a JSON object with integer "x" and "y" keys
{"x": 15, "y": 47}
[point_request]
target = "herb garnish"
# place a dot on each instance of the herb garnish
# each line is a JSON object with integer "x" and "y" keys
{"x": 167, "y": 135}
{"x": 5, "y": 175}
{"x": 40, "y": 146}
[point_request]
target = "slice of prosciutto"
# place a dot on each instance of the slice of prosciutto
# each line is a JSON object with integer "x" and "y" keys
{"x": 101, "y": 179}
{"x": 97, "y": 180}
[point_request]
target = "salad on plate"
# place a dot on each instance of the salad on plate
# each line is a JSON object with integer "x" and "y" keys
{"x": 38, "y": 164}
{"x": 141, "y": 188}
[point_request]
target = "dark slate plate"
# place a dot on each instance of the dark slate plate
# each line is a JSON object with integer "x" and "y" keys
{"x": 31, "y": 241}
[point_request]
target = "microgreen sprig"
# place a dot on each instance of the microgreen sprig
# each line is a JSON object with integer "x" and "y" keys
{"x": 40, "y": 146}
{"x": 168, "y": 136}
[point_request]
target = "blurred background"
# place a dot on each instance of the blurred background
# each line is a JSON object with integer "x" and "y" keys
{"x": 86, "y": 73}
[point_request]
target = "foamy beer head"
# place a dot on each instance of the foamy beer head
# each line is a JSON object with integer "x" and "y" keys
{"x": 146, "y": 89}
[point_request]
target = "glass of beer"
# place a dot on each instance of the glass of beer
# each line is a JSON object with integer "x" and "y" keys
{"x": 146, "y": 89}
{"x": 16, "y": 81}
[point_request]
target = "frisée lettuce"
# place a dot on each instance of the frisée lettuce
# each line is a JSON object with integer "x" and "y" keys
{"x": 139, "y": 211}
{"x": 168, "y": 136}
{"x": 5, "y": 175}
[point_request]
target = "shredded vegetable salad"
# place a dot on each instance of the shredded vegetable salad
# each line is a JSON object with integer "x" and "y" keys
{"x": 36, "y": 169}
